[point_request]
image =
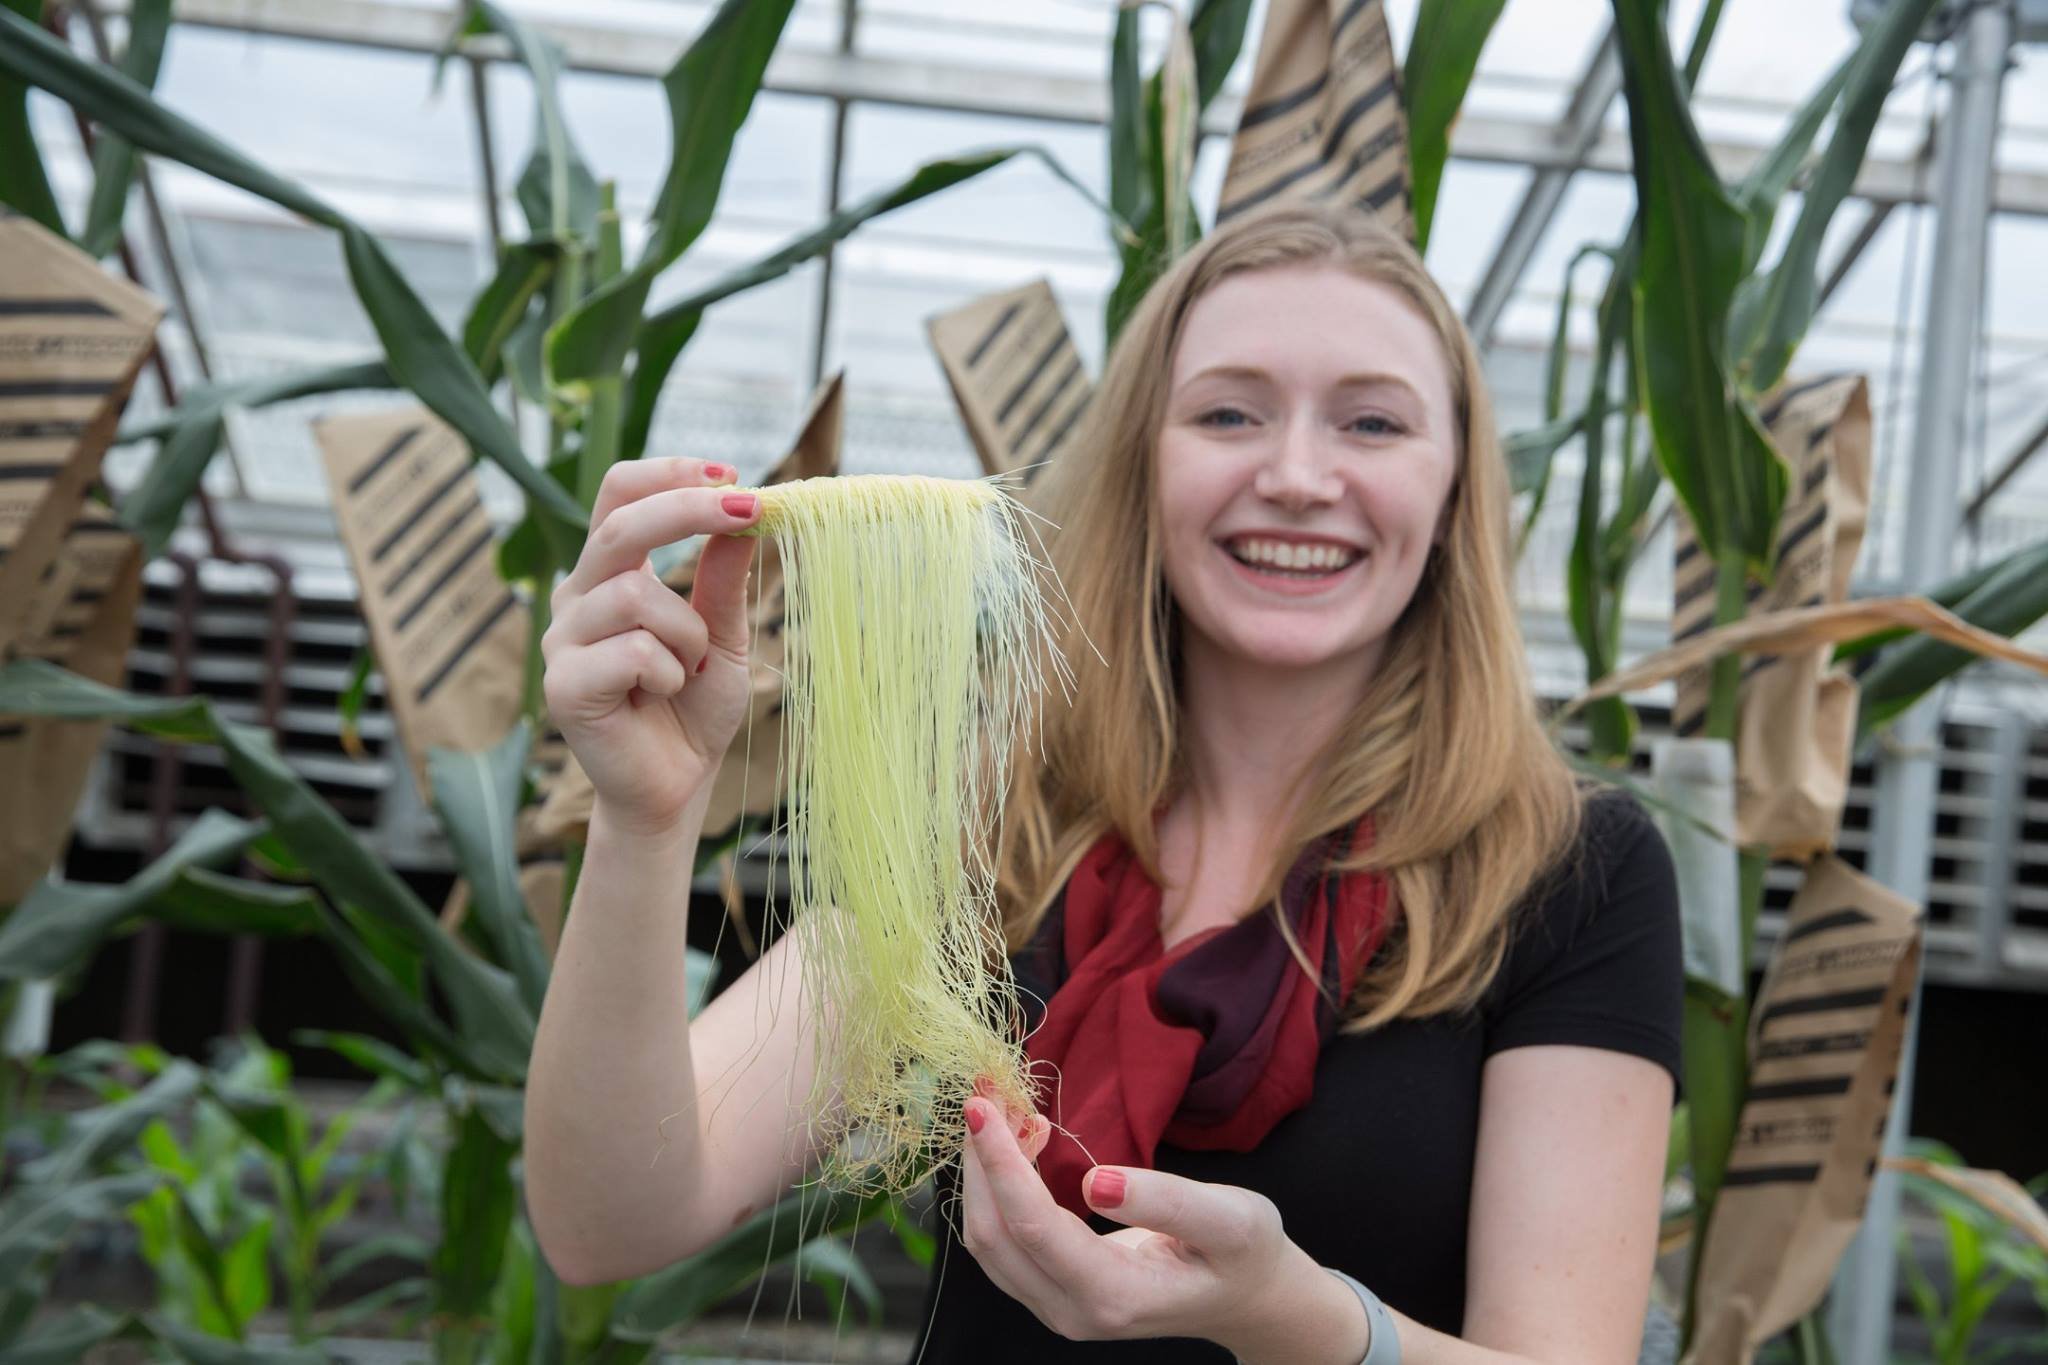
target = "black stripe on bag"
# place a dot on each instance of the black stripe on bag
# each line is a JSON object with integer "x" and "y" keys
{"x": 1800, "y": 1090}
{"x": 13, "y": 730}
{"x": 1799, "y": 534}
{"x": 386, "y": 456}
{"x": 995, "y": 330}
{"x": 1396, "y": 185}
{"x": 412, "y": 519}
{"x": 39, "y": 431}
{"x": 1282, "y": 104}
{"x": 30, "y": 471}
{"x": 432, "y": 543}
{"x": 1820, "y": 924}
{"x": 54, "y": 308}
{"x": 1059, "y": 433}
{"x": 1351, "y": 11}
{"x": 1368, "y": 152}
{"x": 1770, "y": 1175}
{"x": 441, "y": 580}
{"x": 1686, "y": 552}
{"x": 505, "y": 604}
{"x": 1820, "y": 1045}
{"x": 1353, "y": 112}
{"x": 56, "y": 388}
{"x": 1815, "y": 477}
{"x": 1820, "y": 1004}
{"x": 1052, "y": 349}
{"x": 1260, "y": 196}
{"x": 1060, "y": 386}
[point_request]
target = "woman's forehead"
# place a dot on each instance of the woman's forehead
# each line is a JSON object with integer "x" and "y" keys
{"x": 1317, "y": 323}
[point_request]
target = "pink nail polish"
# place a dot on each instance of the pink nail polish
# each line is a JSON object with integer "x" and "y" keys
{"x": 739, "y": 504}
{"x": 1106, "y": 1188}
{"x": 975, "y": 1118}
{"x": 718, "y": 473}
{"x": 700, "y": 664}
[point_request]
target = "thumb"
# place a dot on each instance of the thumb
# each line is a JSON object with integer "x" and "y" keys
{"x": 719, "y": 594}
{"x": 1201, "y": 1214}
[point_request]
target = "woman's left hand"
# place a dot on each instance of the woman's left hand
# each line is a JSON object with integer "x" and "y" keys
{"x": 1196, "y": 1260}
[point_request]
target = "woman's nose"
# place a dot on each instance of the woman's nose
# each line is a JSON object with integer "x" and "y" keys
{"x": 1297, "y": 474}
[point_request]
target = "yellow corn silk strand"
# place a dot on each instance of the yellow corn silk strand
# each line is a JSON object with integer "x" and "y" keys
{"x": 916, "y": 637}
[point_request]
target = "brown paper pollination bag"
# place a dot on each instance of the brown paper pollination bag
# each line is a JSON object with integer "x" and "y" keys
{"x": 72, "y": 339}
{"x": 1323, "y": 120}
{"x": 1798, "y": 713}
{"x": 749, "y": 781}
{"x": 448, "y": 631}
{"x": 1824, "y": 1047}
{"x": 80, "y": 614}
{"x": 1015, "y": 375}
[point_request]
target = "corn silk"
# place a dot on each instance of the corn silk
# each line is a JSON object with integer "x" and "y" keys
{"x": 918, "y": 642}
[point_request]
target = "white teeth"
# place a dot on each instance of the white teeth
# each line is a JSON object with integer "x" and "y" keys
{"x": 1291, "y": 557}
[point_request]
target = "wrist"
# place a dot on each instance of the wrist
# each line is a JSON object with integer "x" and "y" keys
{"x": 1305, "y": 1315}
{"x": 635, "y": 833}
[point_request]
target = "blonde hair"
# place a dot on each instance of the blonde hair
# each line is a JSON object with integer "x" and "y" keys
{"x": 1471, "y": 802}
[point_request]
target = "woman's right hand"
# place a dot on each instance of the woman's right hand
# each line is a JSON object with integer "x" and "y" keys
{"x": 648, "y": 689}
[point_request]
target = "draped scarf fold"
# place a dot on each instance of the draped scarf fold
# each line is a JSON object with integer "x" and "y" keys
{"x": 1205, "y": 1045}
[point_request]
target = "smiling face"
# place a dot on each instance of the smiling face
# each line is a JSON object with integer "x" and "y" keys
{"x": 1304, "y": 466}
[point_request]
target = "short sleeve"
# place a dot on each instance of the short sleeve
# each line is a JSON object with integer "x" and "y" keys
{"x": 1599, "y": 960}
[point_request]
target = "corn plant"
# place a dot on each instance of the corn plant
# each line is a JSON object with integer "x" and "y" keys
{"x": 1697, "y": 327}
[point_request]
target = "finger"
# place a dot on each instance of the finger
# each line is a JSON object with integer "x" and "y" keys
{"x": 1038, "y": 1134}
{"x": 590, "y": 682}
{"x": 630, "y": 480}
{"x": 626, "y": 537}
{"x": 987, "y": 1237}
{"x": 1058, "y": 1241}
{"x": 628, "y": 601}
{"x": 1220, "y": 1220}
{"x": 719, "y": 592}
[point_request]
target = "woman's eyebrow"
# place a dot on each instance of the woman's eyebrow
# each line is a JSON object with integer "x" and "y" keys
{"x": 1363, "y": 380}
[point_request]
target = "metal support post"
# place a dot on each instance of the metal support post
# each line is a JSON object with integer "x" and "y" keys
{"x": 1908, "y": 770}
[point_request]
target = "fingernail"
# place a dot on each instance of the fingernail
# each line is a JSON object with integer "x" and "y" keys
{"x": 700, "y": 664}
{"x": 975, "y": 1118}
{"x": 1106, "y": 1188}
{"x": 718, "y": 473}
{"x": 740, "y": 504}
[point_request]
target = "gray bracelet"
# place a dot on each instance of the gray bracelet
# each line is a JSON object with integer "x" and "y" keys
{"x": 1386, "y": 1340}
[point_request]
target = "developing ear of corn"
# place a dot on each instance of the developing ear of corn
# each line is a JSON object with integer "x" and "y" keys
{"x": 917, "y": 639}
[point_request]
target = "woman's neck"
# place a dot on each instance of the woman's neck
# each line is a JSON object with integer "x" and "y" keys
{"x": 1252, "y": 732}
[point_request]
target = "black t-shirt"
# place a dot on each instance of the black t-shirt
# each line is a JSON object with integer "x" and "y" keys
{"x": 1374, "y": 1174}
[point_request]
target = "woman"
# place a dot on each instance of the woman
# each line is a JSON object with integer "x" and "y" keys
{"x": 1329, "y": 963}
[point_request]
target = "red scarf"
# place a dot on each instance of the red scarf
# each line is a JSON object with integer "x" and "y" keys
{"x": 1206, "y": 1046}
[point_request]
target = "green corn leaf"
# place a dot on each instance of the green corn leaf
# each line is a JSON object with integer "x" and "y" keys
{"x": 1692, "y": 234}
{"x": 2006, "y": 601}
{"x": 65, "y": 1338}
{"x": 113, "y": 159}
{"x": 420, "y": 355}
{"x": 1216, "y": 28}
{"x": 95, "y": 1136}
{"x": 59, "y": 924}
{"x": 348, "y": 707}
{"x": 1773, "y": 324}
{"x": 24, "y": 186}
{"x": 35, "y": 1220}
{"x": 1759, "y": 193}
{"x": 191, "y": 435}
{"x": 1529, "y": 454}
{"x": 477, "y": 798}
{"x": 665, "y": 334}
{"x": 682, "y": 1292}
{"x": 477, "y": 1203}
{"x": 198, "y": 1348}
{"x": 556, "y": 190}
{"x": 524, "y": 269}
{"x": 496, "y": 1027}
{"x": 1442, "y": 56}
{"x": 710, "y": 89}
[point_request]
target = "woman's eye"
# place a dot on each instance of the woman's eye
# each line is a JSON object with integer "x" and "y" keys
{"x": 1222, "y": 417}
{"x": 1377, "y": 424}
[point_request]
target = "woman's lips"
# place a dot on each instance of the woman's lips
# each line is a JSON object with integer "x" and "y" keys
{"x": 1291, "y": 585}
